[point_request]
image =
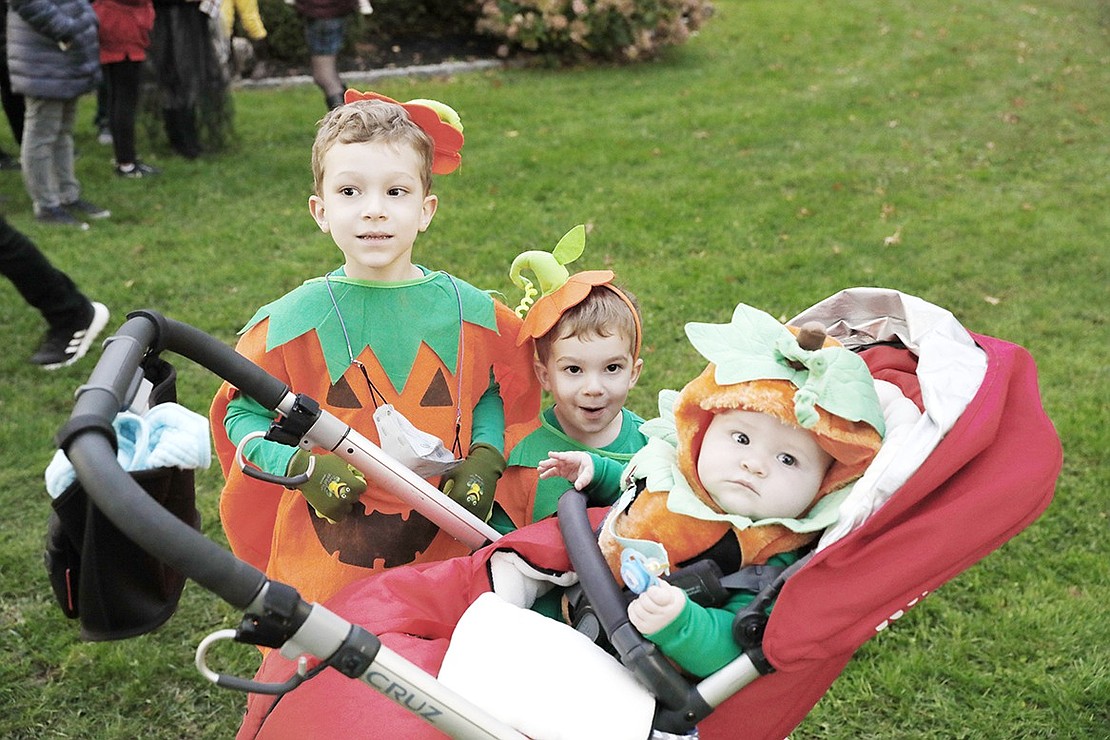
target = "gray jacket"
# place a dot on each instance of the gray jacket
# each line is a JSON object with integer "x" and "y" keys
{"x": 39, "y": 67}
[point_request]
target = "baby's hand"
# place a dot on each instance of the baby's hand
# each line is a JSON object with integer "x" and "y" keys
{"x": 657, "y": 607}
{"x": 576, "y": 466}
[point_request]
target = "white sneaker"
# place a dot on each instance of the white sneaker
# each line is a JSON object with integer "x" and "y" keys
{"x": 63, "y": 347}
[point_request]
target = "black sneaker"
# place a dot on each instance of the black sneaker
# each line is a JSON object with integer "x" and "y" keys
{"x": 62, "y": 347}
{"x": 87, "y": 209}
{"x": 137, "y": 170}
{"x": 58, "y": 216}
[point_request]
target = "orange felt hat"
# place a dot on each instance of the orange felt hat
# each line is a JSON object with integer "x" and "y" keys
{"x": 546, "y": 312}
{"x": 446, "y": 133}
{"x": 559, "y": 290}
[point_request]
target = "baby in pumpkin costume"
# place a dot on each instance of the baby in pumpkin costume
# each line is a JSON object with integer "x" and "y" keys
{"x": 745, "y": 466}
{"x": 380, "y": 335}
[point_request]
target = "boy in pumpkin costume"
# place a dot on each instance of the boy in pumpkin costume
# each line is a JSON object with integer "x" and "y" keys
{"x": 587, "y": 338}
{"x": 379, "y": 333}
{"x": 745, "y": 466}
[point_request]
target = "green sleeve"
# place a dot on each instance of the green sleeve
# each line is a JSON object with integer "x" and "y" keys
{"x": 488, "y": 423}
{"x": 245, "y": 415}
{"x": 605, "y": 488}
{"x": 700, "y": 638}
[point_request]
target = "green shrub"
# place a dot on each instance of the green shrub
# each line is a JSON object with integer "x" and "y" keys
{"x": 581, "y": 30}
{"x": 285, "y": 33}
{"x": 564, "y": 31}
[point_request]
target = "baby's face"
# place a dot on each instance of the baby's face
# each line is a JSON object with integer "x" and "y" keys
{"x": 754, "y": 465}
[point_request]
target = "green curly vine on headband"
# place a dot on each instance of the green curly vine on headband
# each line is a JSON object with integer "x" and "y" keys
{"x": 548, "y": 267}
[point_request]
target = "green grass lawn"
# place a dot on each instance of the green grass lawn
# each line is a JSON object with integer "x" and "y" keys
{"x": 955, "y": 152}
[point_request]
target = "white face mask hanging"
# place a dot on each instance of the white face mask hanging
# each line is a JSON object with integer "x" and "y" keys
{"x": 421, "y": 452}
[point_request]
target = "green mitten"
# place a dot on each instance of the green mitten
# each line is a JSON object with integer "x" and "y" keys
{"x": 474, "y": 482}
{"x": 333, "y": 487}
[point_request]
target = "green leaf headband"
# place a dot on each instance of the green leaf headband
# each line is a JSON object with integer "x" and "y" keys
{"x": 755, "y": 346}
{"x": 559, "y": 290}
{"x": 548, "y": 267}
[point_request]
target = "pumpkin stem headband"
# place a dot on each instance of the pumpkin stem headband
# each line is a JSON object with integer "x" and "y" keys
{"x": 560, "y": 291}
{"x": 438, "y": 120}
{"x": 755, "y": 346}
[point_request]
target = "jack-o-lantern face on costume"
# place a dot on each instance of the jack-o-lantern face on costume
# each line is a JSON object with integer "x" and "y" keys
{"x": 353, "y": 345}
{"x": 360, "y": 539}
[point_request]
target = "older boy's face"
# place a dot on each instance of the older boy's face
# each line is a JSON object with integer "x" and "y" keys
{"x": 754, "y": 465}
{"x": 589, "y": 379}
{"x": 373, "y": 204}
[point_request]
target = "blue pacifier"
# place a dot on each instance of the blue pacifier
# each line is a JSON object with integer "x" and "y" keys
{"x": 638, "y": 572}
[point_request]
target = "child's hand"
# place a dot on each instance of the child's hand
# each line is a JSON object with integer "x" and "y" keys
{"x": 473, "y": 484}
{"x": 657, "y": 607}
{"x": 333, "y": 486}
{"x": 577, "y": 467}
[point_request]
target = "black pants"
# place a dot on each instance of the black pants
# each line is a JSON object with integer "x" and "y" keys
{"x": 193, "y": 89}
{"x": 41, "y": 284}
{"x": 123, "y": 80}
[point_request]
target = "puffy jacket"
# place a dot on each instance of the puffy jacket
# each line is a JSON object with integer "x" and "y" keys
{"x": 124, "y": 29}
{"x": 39, "y": 67}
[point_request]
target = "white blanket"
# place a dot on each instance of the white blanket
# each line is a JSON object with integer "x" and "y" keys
{"x": 542, "y": 677}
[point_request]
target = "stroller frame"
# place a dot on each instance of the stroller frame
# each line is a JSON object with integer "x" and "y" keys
{"x": 276, "y": 616}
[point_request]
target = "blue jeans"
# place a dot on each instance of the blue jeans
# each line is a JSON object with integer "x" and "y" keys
{"x": 46, "y": 154}
{"x": 324, "y": 36}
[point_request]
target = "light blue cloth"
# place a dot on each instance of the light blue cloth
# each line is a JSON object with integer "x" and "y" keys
{"x": 167, "y": 436}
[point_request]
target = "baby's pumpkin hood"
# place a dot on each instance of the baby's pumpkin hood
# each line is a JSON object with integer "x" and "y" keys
{"x": 810, "y": 382}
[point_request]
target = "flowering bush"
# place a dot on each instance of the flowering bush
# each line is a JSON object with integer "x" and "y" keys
{"x": 577, "y": 30}
{"x": 561, "y": 30}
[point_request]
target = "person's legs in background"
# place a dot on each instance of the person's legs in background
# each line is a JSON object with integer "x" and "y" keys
{"x": 170, "y": 54}
{"x": 69, "y": 189}
{"x": 124, "y": 80}
{"x": 324, "y": 37}
{"x": 47, "y": 159}
{"x": 40, "y": 132}
{"x": 73, "y": 320}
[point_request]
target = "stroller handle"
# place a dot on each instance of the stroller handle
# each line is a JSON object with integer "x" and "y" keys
{"x": 276, "y": 615}
{"x": 681, "y": 706}
{"x": 88, "y": 440}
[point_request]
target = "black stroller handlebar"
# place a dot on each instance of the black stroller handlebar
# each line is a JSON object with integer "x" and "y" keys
{"x": 88, "y": 440}
{"x": 680, "y": 705}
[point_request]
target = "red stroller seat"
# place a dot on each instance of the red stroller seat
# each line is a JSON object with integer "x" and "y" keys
{"x": 989, "y": 459}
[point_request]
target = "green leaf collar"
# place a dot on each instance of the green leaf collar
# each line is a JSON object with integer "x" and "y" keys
{"x": 392, "y": 319}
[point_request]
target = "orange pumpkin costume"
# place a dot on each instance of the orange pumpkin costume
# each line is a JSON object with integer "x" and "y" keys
{"x": 407, "y": 337}
{"x": 851, "y": 433}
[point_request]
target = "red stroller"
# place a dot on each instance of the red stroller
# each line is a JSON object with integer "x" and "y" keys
{"x": 974, "y": 468}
